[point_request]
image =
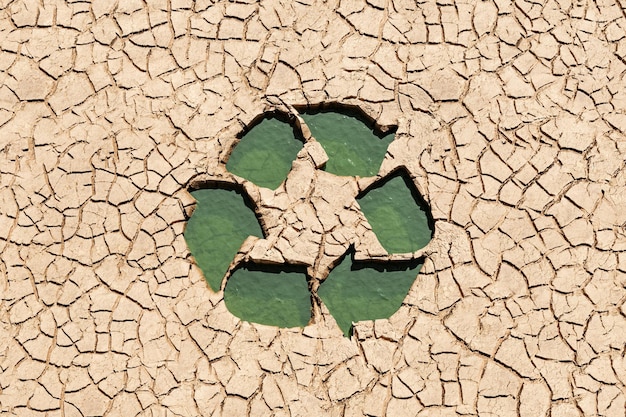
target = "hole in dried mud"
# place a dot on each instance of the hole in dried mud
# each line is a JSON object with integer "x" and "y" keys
{"x": 265, "y": 152}
{"x": 222, "y": 220}
{"x": 353, "y": 146}
{"x": 269, "y": 294}
{"x": 399, "y": 216}
{"x": 356, "y": 291}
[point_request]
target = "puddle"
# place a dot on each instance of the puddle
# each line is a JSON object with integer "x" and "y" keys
{"x": 272, "y": 295}
{"x": 219, "y": 225}
{"x": 398, "y": 215}
{"x": 264, "y": 154}
{"x": 366, "y": 291}
{"x": 352, "y": 147}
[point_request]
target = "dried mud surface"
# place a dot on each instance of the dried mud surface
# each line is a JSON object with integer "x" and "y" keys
{"x": 511, "y": 124}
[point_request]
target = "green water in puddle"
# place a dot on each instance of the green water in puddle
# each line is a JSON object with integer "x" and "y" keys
{"x": 353, "y": 149}
{"x": 216, "y": 230}
{"x": 264, "y": 154}
{"x": 366, "y": 291}
{"x": 398, "y": 216}
{"x": 269, "y": 295}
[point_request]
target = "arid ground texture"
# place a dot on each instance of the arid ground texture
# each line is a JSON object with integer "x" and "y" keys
{"x": 510, "y": 123}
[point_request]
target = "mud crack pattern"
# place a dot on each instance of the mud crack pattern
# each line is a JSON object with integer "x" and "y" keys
{"x": 109, "y": 109}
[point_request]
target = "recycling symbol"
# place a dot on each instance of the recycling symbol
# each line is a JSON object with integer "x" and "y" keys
{"x": 302, "y": 221}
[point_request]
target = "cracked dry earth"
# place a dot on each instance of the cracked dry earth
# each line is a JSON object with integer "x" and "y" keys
{"x": 511, "y": 125}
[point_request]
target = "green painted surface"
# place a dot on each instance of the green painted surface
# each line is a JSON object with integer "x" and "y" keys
{"x": 216, "y": 230}
{"x": 269, "y": 295}
{"x": 358, "y": 291}
{"x": 264, "y": 154}
{"x": 352, "y": 147}
{"x": 397, "y": 215}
